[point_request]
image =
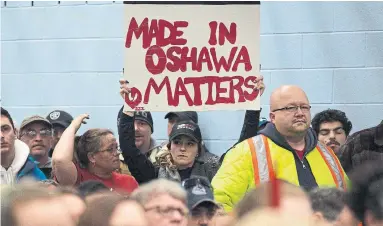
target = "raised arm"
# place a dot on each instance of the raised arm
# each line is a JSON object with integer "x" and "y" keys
{"x": 251, "y": 121}
{"x": 250, "y": 125}
{"x": 64, "y": 169}
{"x": 139, "y": 165}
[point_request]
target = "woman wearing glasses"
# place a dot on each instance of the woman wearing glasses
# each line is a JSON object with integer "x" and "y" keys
{"x": 97, "y": 151}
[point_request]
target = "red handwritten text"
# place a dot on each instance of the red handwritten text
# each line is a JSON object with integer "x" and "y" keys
{"x": 176, "y": 59}
{"x": 223, "y": 33}
{"x": 196, "y": 91}
{"x": 156, "y": 31}
{"x": 184, "y": 85}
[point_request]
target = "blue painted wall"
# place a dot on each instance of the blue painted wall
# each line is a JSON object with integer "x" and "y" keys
{"x": 69, "y": 56}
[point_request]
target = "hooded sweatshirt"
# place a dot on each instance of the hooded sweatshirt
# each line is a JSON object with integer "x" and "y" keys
{"x": 23, "y": 165}
{"x": 305, "y": 176}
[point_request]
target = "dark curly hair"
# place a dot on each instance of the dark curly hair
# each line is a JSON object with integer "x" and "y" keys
{"x": 366, "y": 190}
{"x": 331, "y": 115}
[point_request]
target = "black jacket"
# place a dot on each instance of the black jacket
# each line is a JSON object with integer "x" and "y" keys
{"x": 142, "y": 168}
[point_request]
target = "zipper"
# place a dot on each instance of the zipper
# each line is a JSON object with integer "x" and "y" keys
{"x": 303, "y": 164}
{"x": 304, "y": 156}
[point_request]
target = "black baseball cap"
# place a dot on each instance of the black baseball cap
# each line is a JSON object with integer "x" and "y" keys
{"x": 184, "y": 115}
{"x": 145, "y": 116}
{"x": 199, "y": 190}
{"x": 58, "y": 117}
{"x": 187, "y": 128}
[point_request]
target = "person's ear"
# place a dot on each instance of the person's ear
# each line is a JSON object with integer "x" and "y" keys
{"x": 91, "y": 158}
{"x": 272, "y": 116}
{"x": 318, "y": 217}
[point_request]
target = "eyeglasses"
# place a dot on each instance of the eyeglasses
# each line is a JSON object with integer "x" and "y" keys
{"x": 168, "y": 211}
{"x": 112, "y": 150}
{"x": 32, "y": 133}
{"x": 293, "y": 109}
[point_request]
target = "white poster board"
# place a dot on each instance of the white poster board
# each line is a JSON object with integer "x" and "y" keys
{"x": 192, "y": 57}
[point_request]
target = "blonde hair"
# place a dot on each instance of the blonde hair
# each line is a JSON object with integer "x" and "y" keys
{"x": 154, "y": 188}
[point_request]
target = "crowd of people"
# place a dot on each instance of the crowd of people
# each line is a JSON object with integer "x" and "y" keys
{"x": 293, "y": 169}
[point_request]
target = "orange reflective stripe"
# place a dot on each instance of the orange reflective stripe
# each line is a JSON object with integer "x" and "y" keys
{"x": 268, "y": 156}
{"x": 255, "y": 161}
{"x": 329, "y": 167}
{"x": 341, "y": 172}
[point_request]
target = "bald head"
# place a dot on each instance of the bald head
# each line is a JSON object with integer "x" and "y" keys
{"x": 290, "y": 111}
{"x": 283, "y": 95}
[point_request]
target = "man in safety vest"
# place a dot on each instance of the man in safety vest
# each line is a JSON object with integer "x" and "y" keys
{"x": 287, "y": 148}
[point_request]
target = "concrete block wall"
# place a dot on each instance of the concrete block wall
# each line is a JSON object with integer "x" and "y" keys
{"x": 69, "y": 55}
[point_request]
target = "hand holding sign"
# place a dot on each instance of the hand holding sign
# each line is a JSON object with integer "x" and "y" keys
{"x": 259, "y": 84}
{"x": 129, "y": 95}
{"x": 124, "y": 88}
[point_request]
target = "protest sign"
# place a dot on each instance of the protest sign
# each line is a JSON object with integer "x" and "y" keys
{"x": 181, "y": 57}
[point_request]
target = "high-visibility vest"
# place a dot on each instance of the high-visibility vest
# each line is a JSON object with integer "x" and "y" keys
{"x": 324, "y": 164}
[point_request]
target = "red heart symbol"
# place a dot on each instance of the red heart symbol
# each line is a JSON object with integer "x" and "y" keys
{"x": 137, "y": 98}
{"x": 252, "y": 96}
